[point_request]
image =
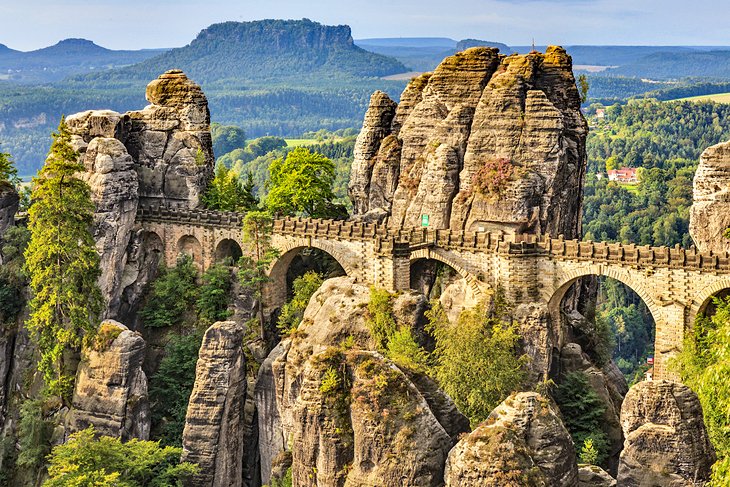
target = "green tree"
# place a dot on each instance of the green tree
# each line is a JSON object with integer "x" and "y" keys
{"x": 170, "y": 388}
{"x": 258, "y": 256}
{"x": 226, "y": 192}
{"x": 215, "y": 294}
{"x": 301, "y": 184}
{"x": 583, "y": 87}
{"x": 8, "y": 171}
{"x": 13, "y": 278}
{"x": 704, "y": 365}
{"x": 589, "y": 454}
{"x": 478, "y": 361}
{"x": 62, "y": 262}
{"x": 293, "y": 311}
{"x": 227, "y": 138}
{"x": 34, "y": 436}
{"x": 87, "y": 461}
{"x": 171, "y": 294}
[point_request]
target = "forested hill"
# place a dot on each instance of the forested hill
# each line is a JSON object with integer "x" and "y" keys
{"x": 66, "y": 58}
{"x": 265, "y": 50}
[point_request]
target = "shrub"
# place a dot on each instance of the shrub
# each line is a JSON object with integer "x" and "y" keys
{"x": 170, "y": 295}
{"x": 493, "y": 176}
{"x": 292, "y": 312}
{"x": 381, "y": 321}
{"x": 588, "y": 453}
{"x": 215, "y": 294}
{"x": 404, "y": 351}
{"x": 34, "y": 435}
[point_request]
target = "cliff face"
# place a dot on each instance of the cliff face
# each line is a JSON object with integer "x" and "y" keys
{"x": 485, "y": 142}
{"x": 163, "y": 152}
{"x": 710, "y": 213}
{"x": 9, "y": 202}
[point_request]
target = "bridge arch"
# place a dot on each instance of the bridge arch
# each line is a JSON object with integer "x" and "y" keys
{"x": 703, "y": 300}
{"x": 190, "y": 245}
{"x": 228, "y": 248}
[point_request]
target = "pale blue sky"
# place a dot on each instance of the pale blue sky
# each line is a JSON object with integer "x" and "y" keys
{"x": 135, "y": 24}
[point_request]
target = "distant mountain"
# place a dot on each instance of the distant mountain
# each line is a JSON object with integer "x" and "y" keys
{"x": 267, "y": 50}
{"x": 423, "y": 53}
{"x": 678, "y": 64}
{"x": 66, "y": 58}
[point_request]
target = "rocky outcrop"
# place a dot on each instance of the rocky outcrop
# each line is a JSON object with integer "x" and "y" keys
{"x": 352, "y": 416}
{"x": 9, "y": 203}
{"x": 593, "y": 476}
{"x": 523, "y": 443}
{"x": 485, "y": 142}
{"x": 710, "y": 213}
{"x": 271, "y": 434}
{"x": 666, "y": 442}
{"x": 163, "y": 152}
{"x": 111, "y": 387}
{"x": 213, "y": 434}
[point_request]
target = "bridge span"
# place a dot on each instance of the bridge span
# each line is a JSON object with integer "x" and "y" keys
{"x": 535, "y": 273}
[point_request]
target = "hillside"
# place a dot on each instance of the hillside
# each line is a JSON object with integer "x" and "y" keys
{"x": 678, "y": 64}
{"x": 66, "y": 58}
{"x": 266, "y": 50}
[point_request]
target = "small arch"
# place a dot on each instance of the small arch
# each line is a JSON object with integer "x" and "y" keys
{"x": 424, "y": 261}
{"x": 228, "y": 249}
{"x": 703, "y": 304}
{"x": 189, "y": 245}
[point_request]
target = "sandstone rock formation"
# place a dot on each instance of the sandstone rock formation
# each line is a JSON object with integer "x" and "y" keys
{"x": 522, "y": 444}
{"x": 163, "y": 152}
{"x": 485, "y": 142}
{"x": 111, "y": 387}
{"x": 213, "y": 436}
{"x": 666, "y": 442}
{"x": 9, "y": 202}
{"x": 352, "y": 416}
{"x": 710, "y": 213}
{"x": 592, "y": 476}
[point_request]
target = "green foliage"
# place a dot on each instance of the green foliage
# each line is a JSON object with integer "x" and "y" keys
{"x": 226, "y": 191}
{"x": 583, "y": 411}
{"x": 214, "y": 295}
{"x": 13, "y": 279}
{"x": 34, "y": 435}
{"x": 704, "y": 365}
{"x": 588, "y": 454}
{"x": 330, "y": 383}
{"x": 258, "y": 256}
{"x": 170, "y": 388}
{"x": 170, "y": 295}
{"x": 381, "y": 321}
{"x": 62, "y": 263}
{"x": 8, "y": 172}
{"x": 301, "y": 184}
{"x": 404, "y": 351}
{"x": 286, "y": 481}
{"x": 478, "y": 362}
{"x": 86, "y": 461}
{"x": 227, "y": 138}
{"x": 293, "y": 311}
{"x": 583, "y": 87}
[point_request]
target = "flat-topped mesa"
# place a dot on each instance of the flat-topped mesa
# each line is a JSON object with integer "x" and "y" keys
{"x": 710, "y": 213}
{"x": 485, "y": 143}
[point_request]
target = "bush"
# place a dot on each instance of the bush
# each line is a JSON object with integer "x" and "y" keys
{"x": 215, "y": 294}
{"x": 292, "y": 312}
{"x": 171, "y": 295}
{"x": 107, "y": 462}
{"x": 170, "y": 388}
{"x": 34, "y": 435}
{"x": 381, "y": 321}
{"x": 405, "y": 352}
{"x": 479, "y": 341}
{"x": 582, "y": 412}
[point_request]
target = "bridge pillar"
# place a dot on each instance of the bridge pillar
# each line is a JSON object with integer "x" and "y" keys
{"x": 670, "y": 330}
{"x": 394, "y": 269}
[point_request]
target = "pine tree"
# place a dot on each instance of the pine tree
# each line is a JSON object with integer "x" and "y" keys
{"x": 226, "y": 192}
{"x": 8, "y": 172}
{"x": 62, "y": 262}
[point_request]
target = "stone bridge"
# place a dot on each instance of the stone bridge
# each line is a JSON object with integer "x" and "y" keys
{"x": 676, "y": 284}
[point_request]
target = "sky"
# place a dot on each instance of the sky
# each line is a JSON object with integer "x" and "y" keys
{"x": 137, "y": 24}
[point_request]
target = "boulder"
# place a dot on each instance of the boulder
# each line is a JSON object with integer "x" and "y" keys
{"x": 593, "y": 476}
{"x": 111, "y": 387}
{"x": 666, "y": 442}
{"x": 213, "y": 433}
{"x": 352, "y": 416}
{"x": 523, "y": 443}
{"x": 710, "y": 212}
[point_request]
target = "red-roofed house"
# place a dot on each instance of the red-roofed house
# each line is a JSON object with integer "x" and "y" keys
{"x": 623, "y": 175}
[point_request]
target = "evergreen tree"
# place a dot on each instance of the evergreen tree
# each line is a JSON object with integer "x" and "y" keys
{"x": 8, "y": 172}
{"x": 227, "y": 193}
{"x": 62, "y": 262}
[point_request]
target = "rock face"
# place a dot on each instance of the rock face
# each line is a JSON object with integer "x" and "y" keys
{"x": 213, "y": 434}
{"x": 162, "y": 152}
{"x": 485, "y": 142}
{"x": 592, "y": 476}
{"x": 9, "y": 201}
{"x": 710, "y": 213}
{"x": 522, "y": 444}
{"x": 111, "y": 387}
{"x": 351, "y": 416}
{"x": 666, "y": 442}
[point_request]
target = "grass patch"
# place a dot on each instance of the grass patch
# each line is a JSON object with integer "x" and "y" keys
{"x": 300, "y": 142}
{"x": 717, "y": 98}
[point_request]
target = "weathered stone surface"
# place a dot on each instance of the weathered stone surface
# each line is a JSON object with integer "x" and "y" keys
{"x": 592, "y": 476}
{"x": 710, "y": 213}
{"x": 9, "y": 202}
{"x": 522, "y": 444}
{"x": 666, "y": 442}
{"x": 378, "y": 425}
{"x": 111, "y": 387}
{"x": 96, "y": 123}
{"x": 271, "y": 435}
{"x": 113, "y": 181}
{"x": 213, "y": 436}
{"x": 477, "y": 118}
